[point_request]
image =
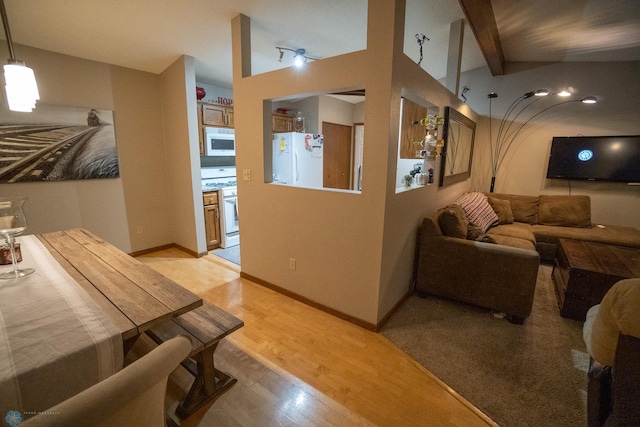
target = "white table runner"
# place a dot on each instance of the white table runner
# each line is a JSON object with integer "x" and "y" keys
{"x": 55, "y": 341}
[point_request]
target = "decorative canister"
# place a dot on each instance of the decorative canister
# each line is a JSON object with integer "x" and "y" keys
{"x": 5, "y": 254}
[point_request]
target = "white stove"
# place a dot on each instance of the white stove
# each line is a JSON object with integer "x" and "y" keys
{"x": 223, "y": 179}
{"x": 217, "y": 178}
{"x": 213, "y": 184}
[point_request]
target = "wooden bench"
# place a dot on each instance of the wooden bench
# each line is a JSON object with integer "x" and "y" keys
{"x": 205, "y": 326}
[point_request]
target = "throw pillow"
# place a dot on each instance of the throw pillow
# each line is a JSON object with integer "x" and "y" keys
{"x": 502, "y": 208}
{"x": 452, "y": 222}
{"x": 524, "y": 208}
{"x": 478, "y": 210}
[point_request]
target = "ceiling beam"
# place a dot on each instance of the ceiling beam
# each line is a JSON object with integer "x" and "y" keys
{"x": 480, "y": 17}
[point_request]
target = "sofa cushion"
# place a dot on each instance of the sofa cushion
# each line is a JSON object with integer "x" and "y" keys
{"x": 609, "y": 234}
{"x": 566, "y": 211}
{"x": 514, "y": 242}
{"x": 524, "y": 208}
{"x": 519, "y": 230}
{"x": 453, "y": 222}
{"x": 502, "y": 208}
{"x": 618, "y": 313}
{"x": 478, "y": 210}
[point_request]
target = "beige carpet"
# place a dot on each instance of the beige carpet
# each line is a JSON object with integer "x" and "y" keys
{"x": 519, "y": 375}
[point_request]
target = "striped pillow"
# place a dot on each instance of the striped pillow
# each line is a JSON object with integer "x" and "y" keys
{"x": 478, "y": 210}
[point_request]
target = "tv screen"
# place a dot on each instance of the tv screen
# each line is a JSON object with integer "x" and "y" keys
{"x": 596, "y": 158}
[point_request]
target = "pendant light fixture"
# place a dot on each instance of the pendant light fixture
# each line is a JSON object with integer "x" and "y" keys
{"x": 20, "y": 82}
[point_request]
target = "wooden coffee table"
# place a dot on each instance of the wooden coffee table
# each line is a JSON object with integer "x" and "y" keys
{"x": 584, "y": 271}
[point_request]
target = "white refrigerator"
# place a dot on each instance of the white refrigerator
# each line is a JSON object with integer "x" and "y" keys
{"x": 298, "y": 159}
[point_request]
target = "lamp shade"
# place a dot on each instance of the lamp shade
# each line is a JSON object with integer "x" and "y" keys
{"x": 21, "y": 87}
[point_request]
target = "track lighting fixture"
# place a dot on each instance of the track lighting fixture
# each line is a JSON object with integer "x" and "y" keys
{"x": 300, "y": 56}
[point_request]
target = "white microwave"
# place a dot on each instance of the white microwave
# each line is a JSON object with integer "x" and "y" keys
{"x": 219, "y": 142}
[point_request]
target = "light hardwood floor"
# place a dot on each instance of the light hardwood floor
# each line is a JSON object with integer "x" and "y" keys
{"x": 297, "y": 365}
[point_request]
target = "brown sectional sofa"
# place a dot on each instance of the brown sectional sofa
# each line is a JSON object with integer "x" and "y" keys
{"x": 551, "y": 217}
{"x": 498, "y": 269}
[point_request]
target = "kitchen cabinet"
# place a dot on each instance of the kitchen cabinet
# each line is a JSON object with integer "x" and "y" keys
{"x": 281, "y": 123}
{"x": 211, "y": 219}
{"x": 217, "y": 115}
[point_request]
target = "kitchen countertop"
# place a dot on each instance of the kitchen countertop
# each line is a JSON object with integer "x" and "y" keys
{"x": 206, "y": 189}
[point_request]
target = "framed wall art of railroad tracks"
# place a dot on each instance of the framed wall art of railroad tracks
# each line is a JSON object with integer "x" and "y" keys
{"x": 57, "y": 143}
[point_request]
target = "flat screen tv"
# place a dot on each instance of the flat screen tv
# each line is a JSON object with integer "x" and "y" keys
{"x": 595, "y": 158}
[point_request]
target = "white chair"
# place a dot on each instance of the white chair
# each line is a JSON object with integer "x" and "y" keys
{"x": 612, "y": 335}
{"x": 133, "y": 396}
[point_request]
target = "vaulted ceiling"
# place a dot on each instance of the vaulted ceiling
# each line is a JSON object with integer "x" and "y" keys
{"x": 149, "y": 35}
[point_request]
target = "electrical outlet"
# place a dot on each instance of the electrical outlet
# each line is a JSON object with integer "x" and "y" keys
{"x": 139, "y": 229}
{"x": 246, "y": 174}
{"x": 292, "y": 263}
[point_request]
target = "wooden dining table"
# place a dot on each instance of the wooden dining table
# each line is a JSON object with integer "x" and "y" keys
{"x": 68, "y": 325}
{"x": 133, "y": 295}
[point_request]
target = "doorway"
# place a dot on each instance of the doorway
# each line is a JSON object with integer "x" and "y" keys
{"x": 337, "y": 156}
{"x": 358, "y": 152}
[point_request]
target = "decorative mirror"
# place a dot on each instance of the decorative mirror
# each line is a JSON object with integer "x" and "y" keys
{"x": 458, "y": 134}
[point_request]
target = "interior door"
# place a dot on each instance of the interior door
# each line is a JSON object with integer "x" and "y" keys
{"x": 337, "y": 156}
{"x": 358, "y": 150}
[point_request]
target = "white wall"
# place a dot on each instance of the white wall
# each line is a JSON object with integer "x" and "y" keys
{"x": 332, "y": 110}
{"x": 141, "y": 149}
{"x": 354, "y": 252}
{"x": 97, "y": 205}
{"x": 114, "y": 208}
{"x": 216, "y": 94}
{"x": 184, "y": 187}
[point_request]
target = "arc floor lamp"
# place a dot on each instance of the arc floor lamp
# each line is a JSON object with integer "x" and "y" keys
{"x": 510, "y": 127}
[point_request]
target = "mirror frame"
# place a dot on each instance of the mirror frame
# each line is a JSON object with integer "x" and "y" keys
{"x": 451, "y": 114}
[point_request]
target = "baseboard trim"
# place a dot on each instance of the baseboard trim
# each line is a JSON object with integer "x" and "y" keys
{"x": 395, "y": 308}
{"x": 305, "y": 300}
{"x": 169, "y": 246}
{"x": 375, "y": 327}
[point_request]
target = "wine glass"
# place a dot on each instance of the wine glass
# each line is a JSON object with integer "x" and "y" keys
{"x": 12, "y": 223}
